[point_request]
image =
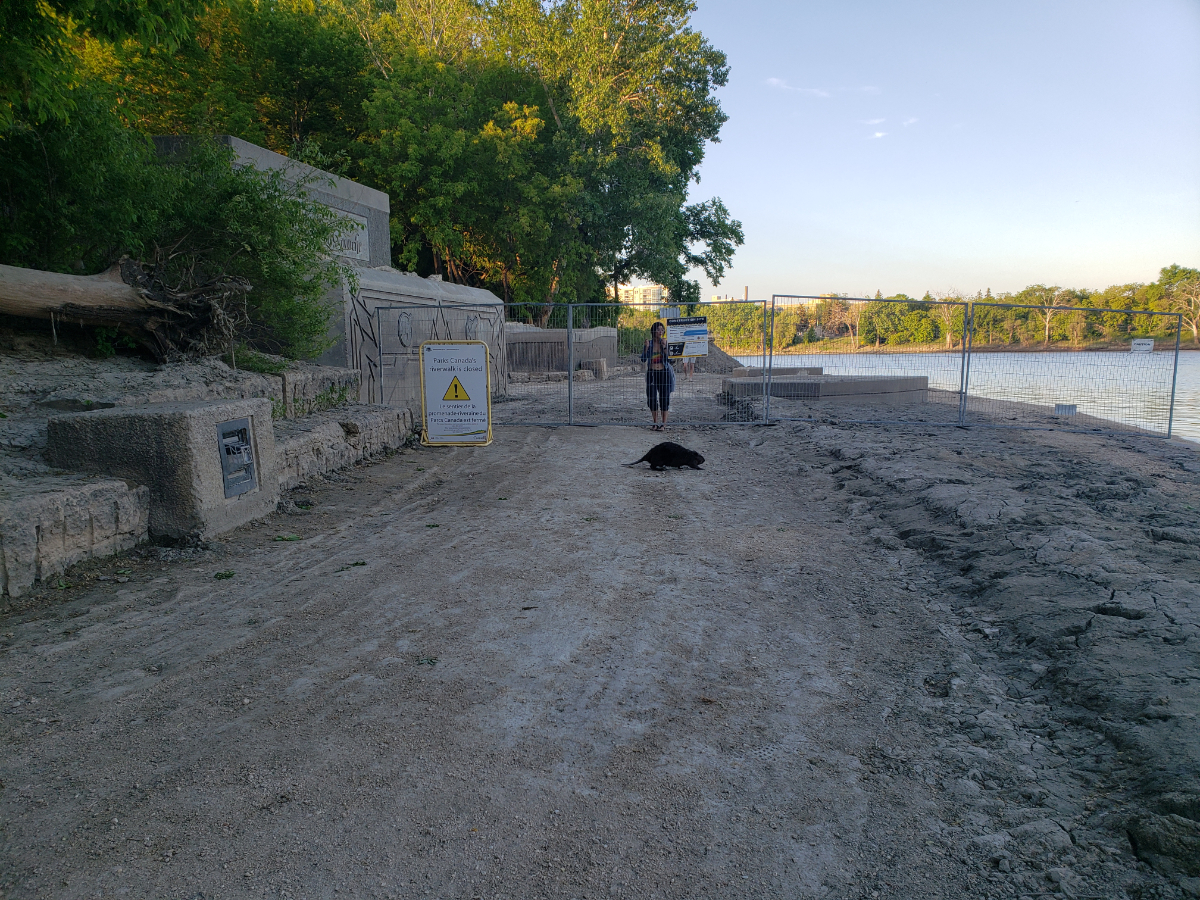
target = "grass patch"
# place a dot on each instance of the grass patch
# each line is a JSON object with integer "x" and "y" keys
{"x": 252, "y": 361}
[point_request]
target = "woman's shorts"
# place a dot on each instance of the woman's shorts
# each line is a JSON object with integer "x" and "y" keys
{"x": 658, "y": 396}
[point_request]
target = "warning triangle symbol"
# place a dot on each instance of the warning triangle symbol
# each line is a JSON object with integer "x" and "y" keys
{"x": 456, "y": 391}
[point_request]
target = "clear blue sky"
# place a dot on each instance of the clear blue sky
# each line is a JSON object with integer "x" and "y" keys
{"x": 913, "y": 146}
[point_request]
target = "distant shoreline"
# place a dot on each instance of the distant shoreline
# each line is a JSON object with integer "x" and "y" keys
{"x": 811, "y": 349}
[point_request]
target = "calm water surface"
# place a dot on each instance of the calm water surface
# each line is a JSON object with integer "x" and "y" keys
{"x": 1132, "y": 389}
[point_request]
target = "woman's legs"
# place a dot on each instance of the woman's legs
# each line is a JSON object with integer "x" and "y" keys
{"x": 657, "y": 396}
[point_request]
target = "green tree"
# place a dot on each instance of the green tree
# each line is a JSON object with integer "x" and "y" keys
{"x": 38, "y": 40}
{"x": 1047, "y": 301}
{"x": 284, "y": 74}
{"x": 482, "y": 191}
{"x": 1181, "y": 287}
{"x": 225, "y": 222}
{"x": 918, "y": 328}
{"x": 630, "y": 86}
{"x": 882, "y": 320}
{"x": 950, "y": 317}
{"x": 240, "y": 254}
{"x": 77, "y": 193}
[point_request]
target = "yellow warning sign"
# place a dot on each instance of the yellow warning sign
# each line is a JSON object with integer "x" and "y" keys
{"x": 456, "y": 391}
{"x": 456, "y": 394}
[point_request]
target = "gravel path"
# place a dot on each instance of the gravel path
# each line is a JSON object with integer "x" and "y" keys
{"x": 835, "y": 663}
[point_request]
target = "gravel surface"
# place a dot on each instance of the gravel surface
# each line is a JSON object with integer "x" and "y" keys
{"x": 835, "y": 663}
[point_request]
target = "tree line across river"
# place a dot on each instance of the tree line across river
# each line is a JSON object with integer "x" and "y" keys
{"x": 1038, "y": 317}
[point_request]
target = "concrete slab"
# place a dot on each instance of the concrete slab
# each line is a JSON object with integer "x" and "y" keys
{"x": 210, "y": 466}
{"x": 756, "y": 372}
{"x": 861, "y": 389}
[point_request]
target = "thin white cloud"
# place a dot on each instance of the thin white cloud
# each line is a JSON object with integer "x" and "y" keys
{"x": 783, "y": 85}
{"x": 869, "y": 89}
{"x": 873, "y": 121}
{"x": 908, "y": 122}
{"x": 879, "y": 134}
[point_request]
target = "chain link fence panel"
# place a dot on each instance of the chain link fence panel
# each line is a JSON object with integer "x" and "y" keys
{"x": 801, "y": 358}
{"x": 861, "y": 360}
{"x": 1072, "y": 368}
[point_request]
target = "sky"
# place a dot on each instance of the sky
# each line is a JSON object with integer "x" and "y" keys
{"x": 955, "y": 146}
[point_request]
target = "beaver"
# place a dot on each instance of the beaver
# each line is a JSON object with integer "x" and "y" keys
{"x": 668, "y": 453}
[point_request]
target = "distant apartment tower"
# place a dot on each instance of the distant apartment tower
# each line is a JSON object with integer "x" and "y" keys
{"x": 809, "y": 302}
{"x": 647, "y": 293}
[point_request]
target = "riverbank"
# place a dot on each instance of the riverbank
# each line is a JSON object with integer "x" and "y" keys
{"x": 844, "y": 662}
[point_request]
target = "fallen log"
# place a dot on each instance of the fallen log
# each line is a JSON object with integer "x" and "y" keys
{"x": 102, "y": 299}
{"x": 167, "y": 320}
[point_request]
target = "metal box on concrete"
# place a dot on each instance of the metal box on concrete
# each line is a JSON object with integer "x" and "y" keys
{"x": 210, "y": 465}
{"x": 236, "y": 449}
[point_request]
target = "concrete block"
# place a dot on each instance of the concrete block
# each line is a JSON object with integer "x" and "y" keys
{"x": 870, "y": 388}
{"x": 317, "y": 388}
{"x": 50, "y": 523}
{"x": 598, "y": 368}
{"x": 531, "y": 349}
{"x": 175, "y": 450}
{"x": 326, "y": 442}
{"x": 742, "y": 387}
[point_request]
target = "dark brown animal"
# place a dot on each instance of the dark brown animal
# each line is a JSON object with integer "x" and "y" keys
{"x": 668, "y": 453}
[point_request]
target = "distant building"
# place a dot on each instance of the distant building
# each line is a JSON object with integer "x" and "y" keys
{"x": 646, "y": 294}
{"x": 809, "y": 302}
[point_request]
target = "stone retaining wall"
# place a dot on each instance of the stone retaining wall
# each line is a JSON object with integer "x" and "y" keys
{"x": 336, "y": 439}
{"x": 48, "y": 524}
{"x": 51, "y": 522}
{"x": 314, "y": 389}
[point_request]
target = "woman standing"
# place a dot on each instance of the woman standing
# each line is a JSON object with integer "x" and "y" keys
{"x": 660, "y": 377}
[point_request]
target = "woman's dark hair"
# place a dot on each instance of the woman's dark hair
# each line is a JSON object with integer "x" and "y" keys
{"x": 657, "y": 325}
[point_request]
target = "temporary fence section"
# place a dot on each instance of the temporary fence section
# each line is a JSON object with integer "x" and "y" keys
{"x": 862, "y": 360}
{"x": 984, "y": 363}
{"x": 807, "y": 357}
{"x": 1072, "y": 367}
{"x": 602, "y": 345}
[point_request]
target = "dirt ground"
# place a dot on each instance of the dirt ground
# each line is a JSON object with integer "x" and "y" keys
{"x": 835, "y": 663}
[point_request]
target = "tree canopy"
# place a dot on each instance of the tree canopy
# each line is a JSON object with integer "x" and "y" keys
{"x": 39, "y": 41}
{"x": 542, "y": 150}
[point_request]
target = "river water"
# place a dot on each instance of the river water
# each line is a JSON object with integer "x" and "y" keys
{"x": 1130, "y": 389}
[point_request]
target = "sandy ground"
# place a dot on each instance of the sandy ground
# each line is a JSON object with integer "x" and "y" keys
{"x": 837, "y": 662}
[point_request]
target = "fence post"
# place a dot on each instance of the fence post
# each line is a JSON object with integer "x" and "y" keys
{"x": 378, "y": 357}
{"x": 964, "y": 376}
{"x": 763, "y": 359}
{"x": 570, "y": 363}
{"x": 1174, "y": 374}
{"x": 770, "y": 361}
